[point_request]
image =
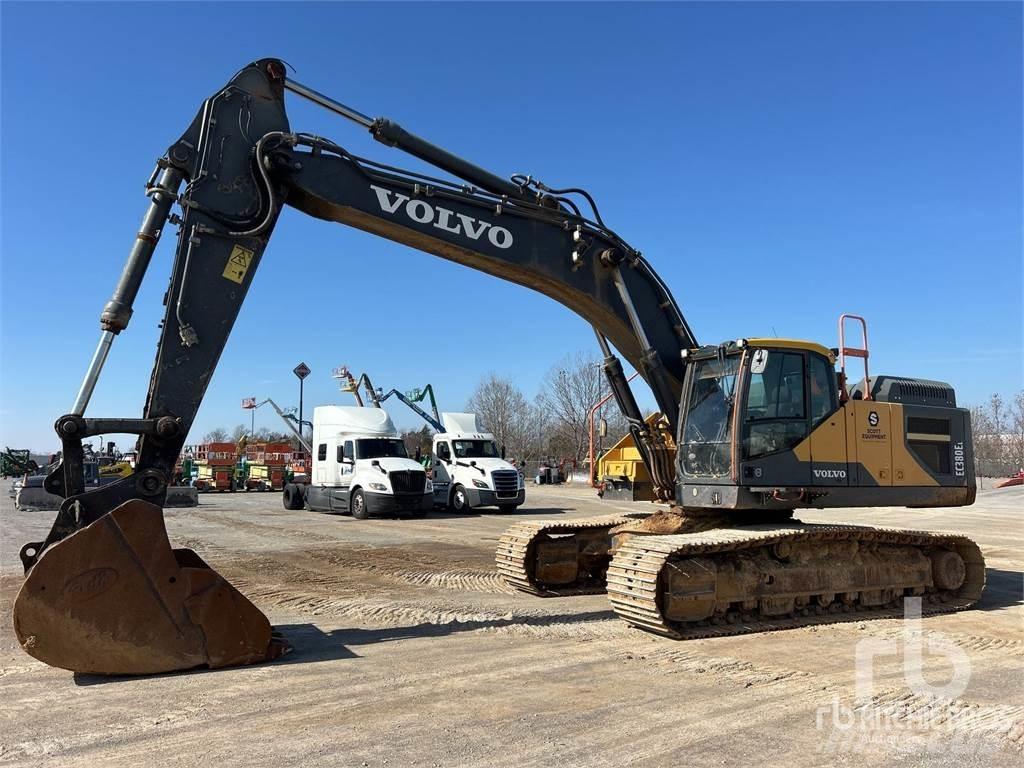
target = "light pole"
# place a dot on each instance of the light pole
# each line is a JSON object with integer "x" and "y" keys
{"x": 302, "y": 371}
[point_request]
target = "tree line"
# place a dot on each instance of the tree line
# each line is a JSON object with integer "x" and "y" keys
{"x": 554, "y": 423}
{"x": 221, "y": 435}
{"x": 997, "y": 427}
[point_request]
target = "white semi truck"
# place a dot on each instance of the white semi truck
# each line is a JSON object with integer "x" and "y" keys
{"x": 469, "y": 469}
{"x": 360, "y": 467}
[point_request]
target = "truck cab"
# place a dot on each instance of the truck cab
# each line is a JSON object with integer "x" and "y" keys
{"x": 469, "y": 470}
{"x": 360, "y": 467}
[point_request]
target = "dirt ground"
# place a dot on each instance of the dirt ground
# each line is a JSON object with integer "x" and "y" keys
{"x": 410, "y": 651}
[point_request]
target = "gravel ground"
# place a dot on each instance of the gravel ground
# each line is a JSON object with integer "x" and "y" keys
{"x": 409, "y": 651}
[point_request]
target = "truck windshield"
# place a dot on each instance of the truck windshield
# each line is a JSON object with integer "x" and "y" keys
{"x": 707, "y": 433}
{"x": 380, "y": 448}
{"x": 475, "y": 449}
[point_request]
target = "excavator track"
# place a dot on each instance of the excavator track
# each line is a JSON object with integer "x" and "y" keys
{"x": 543, "y": 558}
{"x": 730, "y": 581}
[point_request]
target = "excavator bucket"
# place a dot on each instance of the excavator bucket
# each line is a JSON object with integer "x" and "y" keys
{"x": 114, "y": 599}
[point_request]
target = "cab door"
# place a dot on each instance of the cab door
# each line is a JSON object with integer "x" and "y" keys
{"x": 442, "y": 478}
{"x": 344, "y": 465}
{"x": 775, "y": 421}
{"x": 829, "y": 459}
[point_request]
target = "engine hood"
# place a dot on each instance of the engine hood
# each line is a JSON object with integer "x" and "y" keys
{"x": 390, "y": 464}
{"x": 487, "y": 465}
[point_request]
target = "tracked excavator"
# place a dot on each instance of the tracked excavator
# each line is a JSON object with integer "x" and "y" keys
{"x": 765, "y": 426}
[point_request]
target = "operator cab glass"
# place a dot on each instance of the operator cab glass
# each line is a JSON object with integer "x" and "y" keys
{"x": 380, "y": 448}
{"x": 786, "y": 393}
{"x": 475, "y": 449}
{"x": 707, "y": 431}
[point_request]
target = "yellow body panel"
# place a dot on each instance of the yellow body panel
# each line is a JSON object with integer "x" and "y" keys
{"x": 828, "y": 440}
{"x": 623, "y": 459}
{"x": 871, "y": 424}
{"x": 264, "y": 471}
{"x": 878, "y": 443}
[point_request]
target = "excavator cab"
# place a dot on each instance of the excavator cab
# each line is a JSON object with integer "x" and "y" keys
{"x": 753, "y": 400}
{"x": 769, "y": 424}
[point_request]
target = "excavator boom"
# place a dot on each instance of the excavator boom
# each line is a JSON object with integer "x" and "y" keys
{"x": 106, "y": 568}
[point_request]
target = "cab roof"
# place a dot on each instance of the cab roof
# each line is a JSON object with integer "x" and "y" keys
{"x": 734, "y": 347}
{"x": 810, "y": 346}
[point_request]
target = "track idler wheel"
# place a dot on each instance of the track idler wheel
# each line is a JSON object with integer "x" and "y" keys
{"x": 114, "y": 599}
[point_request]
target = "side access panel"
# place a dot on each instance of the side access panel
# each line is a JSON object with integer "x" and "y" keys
{"x": 830, "y": 464}
{"x": 869, "y": 432}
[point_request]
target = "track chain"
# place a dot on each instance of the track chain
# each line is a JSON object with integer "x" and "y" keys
{"x": 634, "y": 581}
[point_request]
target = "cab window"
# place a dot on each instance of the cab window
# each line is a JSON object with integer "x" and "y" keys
{"x": 824, "y": 398}
{"x": 444, "y": 452}
{"x": 350, "y": 451}
{"x": 776, "y": 416}
{"x": 321, "y": 452}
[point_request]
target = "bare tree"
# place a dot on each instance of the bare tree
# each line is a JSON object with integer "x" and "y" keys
{"x": 1015, "y": 439}
{"x": 570, "y": 390}
{"x": 421, "y": 439}
{"x": 997, "y": 431}
{"x": 981, "y": 438}
{"x": 503, "y": 410}
{"x": 239, "y": 432}
{"x": 218, "y": 435}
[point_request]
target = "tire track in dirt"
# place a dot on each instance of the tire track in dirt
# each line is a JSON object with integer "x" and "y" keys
{"x": 429, "y": 571}
{"x": 389, "y": 613}
{"x": 281, "y": 582}
{"x": 977, "y": 643}
{"x": 53, "y": 746}
{"x": 402, "y": 565}
{"x": 1002, "y": 721}
{"x": 262, "y": 529}
{"x": 696, "y": 660}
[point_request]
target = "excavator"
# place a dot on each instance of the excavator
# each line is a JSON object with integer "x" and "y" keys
{"x": 764, "y": 426}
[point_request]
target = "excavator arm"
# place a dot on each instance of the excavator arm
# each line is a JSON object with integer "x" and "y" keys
{"x": 232, "y": 172}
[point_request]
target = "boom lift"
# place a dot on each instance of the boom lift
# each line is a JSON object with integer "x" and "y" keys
{"x": 413, "y": 398}
{"x": 348, "y": 383}
{"x": 764, "y": 426}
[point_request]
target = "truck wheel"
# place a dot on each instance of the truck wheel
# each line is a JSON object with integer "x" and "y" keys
{"x": 508, "y": 508}
{"x": 459, "y": 501}
{"x": 357, "y": 505}
{"x": 292, "y": 497}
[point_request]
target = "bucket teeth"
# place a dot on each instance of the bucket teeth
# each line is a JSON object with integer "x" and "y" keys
{"x": 114, "y": 598}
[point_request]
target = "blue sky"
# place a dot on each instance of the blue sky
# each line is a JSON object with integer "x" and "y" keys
{"x": 777, "y": 163}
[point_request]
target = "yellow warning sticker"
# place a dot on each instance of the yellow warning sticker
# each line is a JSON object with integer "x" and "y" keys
{"x": 238, "y": 264}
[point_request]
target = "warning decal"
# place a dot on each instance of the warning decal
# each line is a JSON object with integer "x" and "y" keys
{"x": 238, "y": 264}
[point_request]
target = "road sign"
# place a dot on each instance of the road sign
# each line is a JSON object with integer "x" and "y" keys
{"x": 248, "y": 402}
{"x": 301, "y": 370}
